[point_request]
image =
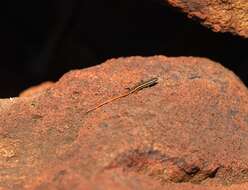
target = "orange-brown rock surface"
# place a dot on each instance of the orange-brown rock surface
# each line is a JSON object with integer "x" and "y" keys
{"x": 219, "y": 15}
{"x": 187, "y": 132}
{"x": 36, "y": 89}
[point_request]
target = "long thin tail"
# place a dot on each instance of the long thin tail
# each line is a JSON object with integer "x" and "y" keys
{"x": 106, "y": 102}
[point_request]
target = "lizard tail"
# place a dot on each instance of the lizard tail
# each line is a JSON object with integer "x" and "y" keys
{"x": 106, "y": 102}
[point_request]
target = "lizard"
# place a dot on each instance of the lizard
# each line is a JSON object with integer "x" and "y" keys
{"x": 140, "y": 86}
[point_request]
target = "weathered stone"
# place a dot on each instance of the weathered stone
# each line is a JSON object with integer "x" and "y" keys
{"x": 191, "y": 127}
{"x": 36, "y": 89}
{"x": 220, "y": 16}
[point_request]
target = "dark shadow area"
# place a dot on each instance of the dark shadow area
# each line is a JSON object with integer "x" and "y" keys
{"x": 41, "y": 40}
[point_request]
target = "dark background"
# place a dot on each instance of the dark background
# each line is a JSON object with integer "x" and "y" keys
{"x": 41, "y": 40}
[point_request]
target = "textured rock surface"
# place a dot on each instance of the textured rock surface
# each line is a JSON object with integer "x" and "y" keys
{"x": 119, "y": 180}
{"x": 36, "y": 89}
{"x": 221, "y": 16}
{"x": 191, "y": 127}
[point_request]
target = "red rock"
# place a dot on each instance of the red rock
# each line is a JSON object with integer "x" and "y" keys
{"x": 121, "y": 181}
{"x": 190, "y": 128}
{"x": 220, "y": 16}
{"x": 36, "y": 89}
